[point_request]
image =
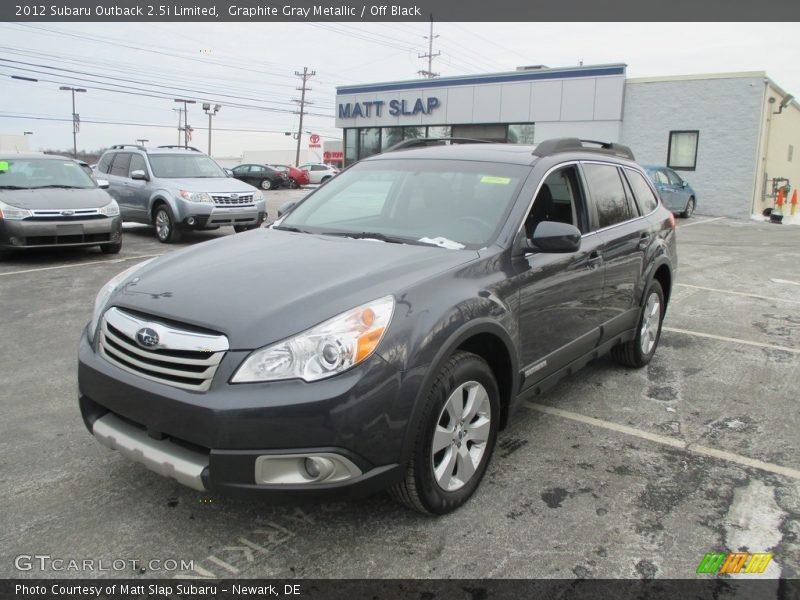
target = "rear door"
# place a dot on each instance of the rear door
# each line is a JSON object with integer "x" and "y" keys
{"x": 680, "y": 192}
{"x": 139, "y": 189}
{"x": 625, "y": 236}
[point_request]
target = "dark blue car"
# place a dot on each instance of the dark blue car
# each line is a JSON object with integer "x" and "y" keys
{"x": 677, "y": 195}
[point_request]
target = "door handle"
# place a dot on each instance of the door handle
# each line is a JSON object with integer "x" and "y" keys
{"x": 595, "y": 258}
{"x": 644, "y": 241}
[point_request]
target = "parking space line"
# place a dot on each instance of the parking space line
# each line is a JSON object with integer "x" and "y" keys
{"x": 93, "y": 262}
{"x": 666, "y": 441}
{"x": 681, "y": 226}
{"x": 746, "y": 294}
{"x": 722, "y": 338}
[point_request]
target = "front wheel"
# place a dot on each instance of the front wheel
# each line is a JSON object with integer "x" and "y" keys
{"x": 640, "y": 350}
{"x": 243, "y": 228}
{"x": 690, "y": 206}
{"x": 111, "y": 248}
{"x": 166, "y": 229}
{"x": 266, "y": 184}
{"x": 293, "y": 185}
{"x": 455, "y": 439}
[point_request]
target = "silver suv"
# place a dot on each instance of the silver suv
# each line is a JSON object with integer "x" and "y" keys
{"x": 177, "y": 188}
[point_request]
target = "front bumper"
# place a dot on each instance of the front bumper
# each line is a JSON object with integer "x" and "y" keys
{"x": 212, "y": 440}
{"x": 41, "y": 233}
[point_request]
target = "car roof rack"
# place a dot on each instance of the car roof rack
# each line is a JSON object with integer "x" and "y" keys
{"x": 180, "y": 147}
{"x": 556, "y": 145}
{"x": 420, "y": 142}
{"x": 123, "y": 146}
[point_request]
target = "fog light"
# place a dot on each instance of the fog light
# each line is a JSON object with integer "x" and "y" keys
{"x": 318, "y": 468}
{"x": 15, "y": 241}
{"x": 190, "y": 221}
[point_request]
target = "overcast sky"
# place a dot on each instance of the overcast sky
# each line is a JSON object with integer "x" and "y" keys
{"x": 252, "y": 65}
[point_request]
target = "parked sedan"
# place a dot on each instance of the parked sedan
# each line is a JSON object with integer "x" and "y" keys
{"x": 319, "y": 173}
{"x": 51, "y": 201}
{"x": 677, "y": 195}
{"x": 297, "y": 177}
{"x": 261, "y": 176}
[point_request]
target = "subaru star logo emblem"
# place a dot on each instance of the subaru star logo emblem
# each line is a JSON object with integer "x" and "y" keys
{"x": 234, "y": 196}
{"x": 147, "y": 337}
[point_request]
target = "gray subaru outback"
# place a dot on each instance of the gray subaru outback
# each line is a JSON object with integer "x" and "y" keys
{"x": 400, "y": 313}
{"x": 176, "y": 189}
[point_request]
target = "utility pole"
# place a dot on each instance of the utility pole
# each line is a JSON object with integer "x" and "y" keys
{"x": 306, "y": 76}
{"x": 186, "y": 104}
{"x": 180, "y": 116}
{"x": 430, "y": 55}
{"x": 76, "y": 122}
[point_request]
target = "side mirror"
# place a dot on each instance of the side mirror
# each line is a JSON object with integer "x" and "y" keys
{"x": 552, "y": 237}
{"x": 684, "y": 183}
{"x": 285, "y": 208}
{"x": 102, "y": 184}
{"x": 139, "y": 174}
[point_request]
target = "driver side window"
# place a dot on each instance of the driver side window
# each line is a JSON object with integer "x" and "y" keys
{"x": 559, "y": 199}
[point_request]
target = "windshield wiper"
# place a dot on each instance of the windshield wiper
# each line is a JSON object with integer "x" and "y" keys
{"x": 374, "y": 235}
{"x": 12, "y": 187}
{"x": 64, "y": 187}
{"x": 292, "y": 229}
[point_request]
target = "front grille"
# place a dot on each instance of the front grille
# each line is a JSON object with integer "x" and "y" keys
{"x": 65, "y": 214}
{"x": 182, "y": 358}
{"x": 58, "y": 240}
{"x": 237, "y": 200}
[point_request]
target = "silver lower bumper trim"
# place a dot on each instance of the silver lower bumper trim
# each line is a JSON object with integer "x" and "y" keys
{"x": 162, "y": 456}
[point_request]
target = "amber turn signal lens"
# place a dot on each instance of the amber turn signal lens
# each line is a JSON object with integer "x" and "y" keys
{"x": 367, "y": 343}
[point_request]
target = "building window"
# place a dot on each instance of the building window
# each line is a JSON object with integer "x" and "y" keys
{"x": 391, "y": 136}
{"x": 350, "y": 145}
{"x": 521, "y": 133}
{"x": 369, "y": 141}
{"x": 413, "y": 133}
{"x": 492, "y": 132}
{"x": 682, "y": 153}
{"x": 439, "y": 131}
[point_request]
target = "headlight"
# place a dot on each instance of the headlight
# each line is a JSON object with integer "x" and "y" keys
{"x": 196, "y": 196}
{"x": 111, "y": 209}
{"x": 258, "y": 197}
{"x": 12, "y": 213}
{"x": 105, "y": 292}
{"x": 325, "y": 350}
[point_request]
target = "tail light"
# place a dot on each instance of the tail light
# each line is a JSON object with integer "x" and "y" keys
{"x": 672, "y": 221}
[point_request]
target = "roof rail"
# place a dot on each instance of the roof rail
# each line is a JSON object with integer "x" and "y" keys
{"x": 556, "y": 145}
{"x": 122, "y": 146}
{"x": 418, "y": 142}
{"x": 179, "y": 147}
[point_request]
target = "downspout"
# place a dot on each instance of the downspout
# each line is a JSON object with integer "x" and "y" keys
{"x": 764, "y": 134}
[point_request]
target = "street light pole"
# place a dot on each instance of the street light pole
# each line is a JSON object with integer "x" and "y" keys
{"x": 211, "y": 112}
{"x": 75, "y": 117}
{"x": 142, "y": 141}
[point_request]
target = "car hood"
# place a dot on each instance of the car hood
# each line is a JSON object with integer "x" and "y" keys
{"x": 265, "y": 285}
{"x": 223, "y": 185}
{"x": 51, "y": 198}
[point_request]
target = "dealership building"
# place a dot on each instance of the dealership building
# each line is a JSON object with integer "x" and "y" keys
{"x": 731, "y": 135}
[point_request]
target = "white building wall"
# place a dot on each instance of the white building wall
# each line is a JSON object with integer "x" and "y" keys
{"x": 726, "y": 110}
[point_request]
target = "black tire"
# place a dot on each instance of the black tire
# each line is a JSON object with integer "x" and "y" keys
{"x": 111, "y": 248}
{"x": 293, "y": 185}
{"x": 420, "y": 489}
{"x": 690, "y": 206}
{"x": 243, "y": 228}
{"x": 266, "y": 184}
{"x": 324, "y": 179}
{"x": 632, "y": 353}
{"x": 167, "y": 230}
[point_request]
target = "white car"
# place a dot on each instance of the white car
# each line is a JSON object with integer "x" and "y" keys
{"x": 318, "y": 172}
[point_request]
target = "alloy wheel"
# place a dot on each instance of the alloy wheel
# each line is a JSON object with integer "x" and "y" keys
{"x": 163, "y": 224}
{"x": 651, "y": 320}
{"x": 461, "y": 436}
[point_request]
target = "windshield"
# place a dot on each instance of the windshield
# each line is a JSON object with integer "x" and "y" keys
{"x": 31, "y": 173}
{"x": 449, "y": 203}
{"x": 184, "y": 166}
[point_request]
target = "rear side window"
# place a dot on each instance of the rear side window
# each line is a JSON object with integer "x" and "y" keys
{"x": 644, "y": 195}
{"x": 608, "y": 194}
{"x": 104, "y": 163}
{"x": 121, "y": 164}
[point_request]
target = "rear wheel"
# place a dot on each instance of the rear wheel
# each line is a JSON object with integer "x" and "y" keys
{"x": 243, "y": 228}
{"x": 689, "y": 209}
{"x": 266, "y": 184}
{"x": 455, "y": 439}
{"x": 293, "y": 184}
{"x": 166, "y": 229}
{"x": 324, "y": 179}
{"x": 640, "y": 350}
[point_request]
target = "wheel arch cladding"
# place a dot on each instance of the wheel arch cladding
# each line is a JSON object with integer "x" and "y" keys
{"x": 492, "y": 349}
{"x": 664, "y": 277}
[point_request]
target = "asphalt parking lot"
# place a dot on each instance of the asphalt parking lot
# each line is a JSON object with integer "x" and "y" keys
{"x": 613, "y": 473}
